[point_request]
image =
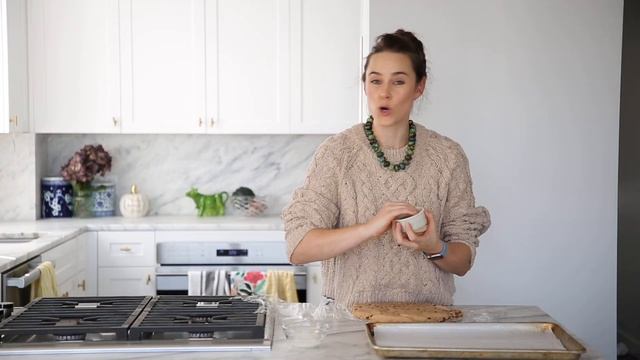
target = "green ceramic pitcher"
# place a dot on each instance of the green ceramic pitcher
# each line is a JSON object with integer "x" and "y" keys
{"x": 209, "y": 205}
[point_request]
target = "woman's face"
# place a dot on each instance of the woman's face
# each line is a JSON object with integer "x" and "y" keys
{"x": 391, "y": 87}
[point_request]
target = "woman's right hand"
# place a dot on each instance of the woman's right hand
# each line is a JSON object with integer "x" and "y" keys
{"x": 385, "y": 217}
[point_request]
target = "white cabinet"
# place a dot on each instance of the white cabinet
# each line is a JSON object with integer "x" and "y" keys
{"x": 18, "y": 70}
{"x": 126, "y": 263}
{"x": 74, "y": 66}
{"x": 73, "y": 268}
{"x": 163, "y": 66}
{"x": 194, "y": 66}
{"x": 133, "y": 281}
{"x": 248, "y": 52}
{"x": 4, "y": 71}
{"x": 327, "y": 66}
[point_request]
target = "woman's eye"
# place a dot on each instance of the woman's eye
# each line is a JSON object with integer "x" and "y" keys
{"x": 399, "y": 82}
{"x": 376, "y": 82}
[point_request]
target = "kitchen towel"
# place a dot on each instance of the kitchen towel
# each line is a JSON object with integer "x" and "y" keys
{"x": 47, "y": 284}
{"x": 221, "y": 284}
{"x": 247, "y": 283}
{"x": 195, "y": 283}
{"x": 282, "y": 284}
{"x": 208, "y": 283}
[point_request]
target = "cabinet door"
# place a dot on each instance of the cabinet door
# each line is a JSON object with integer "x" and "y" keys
{"x": 86, "y": 278}
{"x": 126, "y": 248}
{"x": 327, "y": 66}
{"x": 4, "y": 70}
{"x": 134, "y": 281}
{"x": 163, "y": 66}
{"x": 74, "y": 66}
{"x": 18, "y": 79}
{"x": 247, "y": 46}
{"x": 65, "y": 259}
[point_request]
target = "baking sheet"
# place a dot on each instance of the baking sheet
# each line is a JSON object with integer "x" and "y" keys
{"x": 474, "y": 340}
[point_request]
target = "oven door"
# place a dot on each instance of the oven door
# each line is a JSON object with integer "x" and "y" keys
{"x": 16, "y": 282}
{"x": 173, "y": 280}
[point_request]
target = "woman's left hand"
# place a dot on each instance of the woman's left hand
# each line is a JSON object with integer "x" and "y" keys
{"x": 429, "y": 241}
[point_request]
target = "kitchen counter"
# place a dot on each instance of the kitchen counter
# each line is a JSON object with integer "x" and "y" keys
{"x": 340, "y": 345}
{"x": 54, "y": 232}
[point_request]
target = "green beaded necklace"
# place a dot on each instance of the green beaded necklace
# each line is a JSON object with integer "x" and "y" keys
{"x": 368, "y": 131}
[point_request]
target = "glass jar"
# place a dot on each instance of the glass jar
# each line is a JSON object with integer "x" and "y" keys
{"x": 82, "y": 200}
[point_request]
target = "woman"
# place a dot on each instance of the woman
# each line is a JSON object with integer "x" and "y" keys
{"x": 364, "y": 178}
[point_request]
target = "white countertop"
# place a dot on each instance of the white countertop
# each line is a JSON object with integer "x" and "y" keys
{"x": 339, "y": 345}
{"x": 54, "y": 232}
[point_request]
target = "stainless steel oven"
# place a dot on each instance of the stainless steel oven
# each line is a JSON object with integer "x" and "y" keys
{"x": 16, "y": 282}
{"x": 181, "y": 252}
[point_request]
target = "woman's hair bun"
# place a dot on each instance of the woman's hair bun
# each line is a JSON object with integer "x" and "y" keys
{"x": 404, "y": 42}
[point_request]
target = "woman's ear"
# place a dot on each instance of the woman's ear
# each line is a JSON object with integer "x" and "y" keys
{"x": 420, "y": 88}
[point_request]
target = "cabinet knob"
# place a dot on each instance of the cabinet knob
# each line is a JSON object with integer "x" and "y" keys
{"x": 148, "y": 279}
{"x": 13, "y": 120}
{"x": 115, "y": 121}
{"x": 83, "y": 285}
{"x": 125, "y": 249}
{"x": 200, "y": 122}
{"x": 212, "y": 122}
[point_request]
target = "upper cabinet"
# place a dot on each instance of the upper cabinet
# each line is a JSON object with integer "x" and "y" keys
{"x": 18, "y": 68}
{"x": 327, "y": 69}
{"x": 163, "y": 59}
{"x": 194, "y": 66}
{"x": 248, "y": 58}
{"x": 4, "y": 73}
{"x": 74, "y": 66}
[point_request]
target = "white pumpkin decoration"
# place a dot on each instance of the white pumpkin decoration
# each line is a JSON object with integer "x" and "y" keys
{"x": 134, "y": 204}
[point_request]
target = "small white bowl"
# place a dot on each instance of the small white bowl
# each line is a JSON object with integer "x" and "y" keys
{"x": 418, "y": 222}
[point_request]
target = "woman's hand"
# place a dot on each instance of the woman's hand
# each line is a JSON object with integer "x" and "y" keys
{"x": 429, "y": 241}
{"x": 386, "y": 216}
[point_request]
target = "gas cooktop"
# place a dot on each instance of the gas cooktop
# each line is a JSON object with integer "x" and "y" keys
{"x": 136, "y": 324}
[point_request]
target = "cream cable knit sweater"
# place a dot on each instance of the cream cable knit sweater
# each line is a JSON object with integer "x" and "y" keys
{"x": 345, "y": 185}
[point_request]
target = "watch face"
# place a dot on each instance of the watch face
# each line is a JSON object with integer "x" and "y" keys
{"x": 435, "y": 256}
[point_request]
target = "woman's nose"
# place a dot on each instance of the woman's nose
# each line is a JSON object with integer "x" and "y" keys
{"x": 385, "y": 92}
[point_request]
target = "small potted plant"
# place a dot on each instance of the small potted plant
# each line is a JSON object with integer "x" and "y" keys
{"x": 80, "y": 170}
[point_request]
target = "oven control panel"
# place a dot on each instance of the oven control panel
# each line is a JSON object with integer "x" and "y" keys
{"x": 196, "y": 249}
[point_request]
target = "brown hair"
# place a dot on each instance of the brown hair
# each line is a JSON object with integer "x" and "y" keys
{"x": 404, "y": 42}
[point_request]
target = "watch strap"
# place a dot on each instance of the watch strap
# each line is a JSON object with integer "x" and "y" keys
{"x": 443, "y": 252}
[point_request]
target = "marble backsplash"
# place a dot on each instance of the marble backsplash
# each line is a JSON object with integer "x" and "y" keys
{"x": 164, "y": 167}
{"x": 18, "y": 192}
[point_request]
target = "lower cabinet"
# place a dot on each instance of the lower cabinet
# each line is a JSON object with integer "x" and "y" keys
{"x": 134, "y": 281}
{"x": 73, "y": 265}
{"x": 126, "y": 263}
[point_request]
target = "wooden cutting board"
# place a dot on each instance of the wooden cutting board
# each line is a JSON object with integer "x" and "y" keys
{"x": 404, "y": 313}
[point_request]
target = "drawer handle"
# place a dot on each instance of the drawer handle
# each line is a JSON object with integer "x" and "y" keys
{"x": 125, "y": 249}
{"x": 148, "y": 279}
{"x": 83, "y": 285}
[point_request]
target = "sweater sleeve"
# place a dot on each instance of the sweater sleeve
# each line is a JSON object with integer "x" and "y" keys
{"x": 315, "y": 204}
{"x": 462, "y": 221}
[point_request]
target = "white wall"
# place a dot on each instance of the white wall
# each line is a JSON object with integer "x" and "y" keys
{"x": 531, "y": 91}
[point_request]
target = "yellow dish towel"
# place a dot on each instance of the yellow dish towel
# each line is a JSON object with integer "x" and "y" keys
{"x": 46, "y": 285}
{"x": 282, "y": 284}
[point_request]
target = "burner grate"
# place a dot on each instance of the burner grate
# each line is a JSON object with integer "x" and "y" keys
{"x": 199, "y": 316}
{"x": 73, "y": 318}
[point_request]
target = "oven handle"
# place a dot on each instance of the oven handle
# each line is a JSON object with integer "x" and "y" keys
{"x": 25, "y": 280}
{"x": 180, "y": 273}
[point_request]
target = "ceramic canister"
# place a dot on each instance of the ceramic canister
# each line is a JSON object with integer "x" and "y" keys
{"x": 56, "y": 196}
{"x": 104, "y": 199}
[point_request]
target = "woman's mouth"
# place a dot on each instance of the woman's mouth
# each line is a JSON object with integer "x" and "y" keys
{"x": 385, "y": 110}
